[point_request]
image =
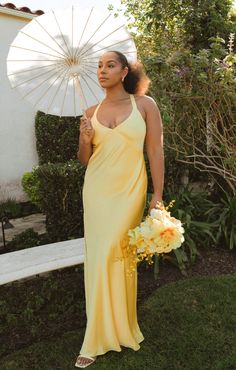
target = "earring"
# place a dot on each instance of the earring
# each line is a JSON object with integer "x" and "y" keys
{"x": 122, "y": 79}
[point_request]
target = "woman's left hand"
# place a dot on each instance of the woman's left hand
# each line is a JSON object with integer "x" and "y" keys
{"x": 153, "y": 204}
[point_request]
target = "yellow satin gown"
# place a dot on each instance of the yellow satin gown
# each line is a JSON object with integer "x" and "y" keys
{"x": 114, "y": 196}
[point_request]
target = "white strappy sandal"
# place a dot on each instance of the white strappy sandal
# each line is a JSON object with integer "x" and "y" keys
{"x": 92, "y": 359}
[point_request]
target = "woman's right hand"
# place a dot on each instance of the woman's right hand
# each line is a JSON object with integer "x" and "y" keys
{"x": 86, "y": 130}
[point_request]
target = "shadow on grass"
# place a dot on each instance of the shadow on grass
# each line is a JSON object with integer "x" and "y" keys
{"x": 187, "y": 325}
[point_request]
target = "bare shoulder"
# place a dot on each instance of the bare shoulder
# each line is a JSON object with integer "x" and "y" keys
{"x": 147, "y": 102}
{"x": 147, "y": 106}
{"x": 90, "y": 111}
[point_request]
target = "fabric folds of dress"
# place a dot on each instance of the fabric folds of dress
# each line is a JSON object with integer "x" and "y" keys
{"x": 114, "y": 195}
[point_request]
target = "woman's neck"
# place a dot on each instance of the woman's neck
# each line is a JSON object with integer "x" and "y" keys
{"x": 115, "y": 95}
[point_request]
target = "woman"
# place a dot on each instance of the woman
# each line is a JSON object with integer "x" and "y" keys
{"x": 111, "y": 142}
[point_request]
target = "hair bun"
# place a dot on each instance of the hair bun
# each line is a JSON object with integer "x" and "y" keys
{"x": 136, "y": 81}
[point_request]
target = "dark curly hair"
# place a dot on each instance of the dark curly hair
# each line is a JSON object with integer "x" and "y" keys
{"x": 136, "y": 81}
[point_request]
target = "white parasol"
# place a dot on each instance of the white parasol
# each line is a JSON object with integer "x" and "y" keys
{"x": 53, "y": 60}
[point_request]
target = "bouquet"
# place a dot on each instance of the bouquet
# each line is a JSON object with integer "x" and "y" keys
{"x": 158, "y": 233}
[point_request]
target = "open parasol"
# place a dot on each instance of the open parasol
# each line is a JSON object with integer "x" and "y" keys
{"x": 53, "y": 60}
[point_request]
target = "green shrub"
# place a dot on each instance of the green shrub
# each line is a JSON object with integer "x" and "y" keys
{"x": 38, "y": 308}
{"x": 10, "y": 208}
{"x": 60, "y": 194}
{"x": 223, "y": 214}
{"x": 55, "y": 185}
{"x": 196, "y": 96}
{"x": 27, "y": 239}
{"x": 30, "y": 184}
{"x": 57, "y": 137}
{"x": 13, "y": 209}
{"x": 190, "y": 208}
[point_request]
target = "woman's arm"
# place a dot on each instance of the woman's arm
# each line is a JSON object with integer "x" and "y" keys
{"x": 154, "y": 148}
{"x": 84, "y": 152}
{"x": 85, "y": 138}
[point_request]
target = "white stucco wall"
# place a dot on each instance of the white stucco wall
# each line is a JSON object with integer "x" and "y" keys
{"x": 17, "y": 139}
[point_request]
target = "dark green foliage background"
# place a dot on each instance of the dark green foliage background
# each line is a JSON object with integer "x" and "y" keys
{"x": 55, "y": 185}
{"x": 60, "y": 191}
{"x": 56, "y": 138}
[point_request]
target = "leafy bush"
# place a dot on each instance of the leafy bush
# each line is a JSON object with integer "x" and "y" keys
{"x": 27, "y": 239}
{"x": 30, "y": 184}
{"x": 169, "y": 24}
{"x": 60, "y": 194}
{"x": 173, "y": 170}
{"x": 35, "y": 309}
{"x": 10, "y": 208}
{"x": 196, "y": 95}
{"x": 224, "y": 215}
{"x": 56, "y": 137}
{"x": 193, "y": 82}
{"x": 191, "y": 208}
{"x": 13, "y": 209}
{"x": 55, "y": 184}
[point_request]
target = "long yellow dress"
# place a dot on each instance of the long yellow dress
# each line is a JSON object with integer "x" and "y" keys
{"x": 114, "y": 195}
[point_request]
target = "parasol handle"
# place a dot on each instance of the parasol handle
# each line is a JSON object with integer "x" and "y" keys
{"x": 83, "y": 105}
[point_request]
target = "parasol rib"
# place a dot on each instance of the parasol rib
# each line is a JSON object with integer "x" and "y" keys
{"x": 32, "y": 78}
{"x": 46, "y": 91}
{"x": 90, "y": 64}
{"x": 74, "y": 93}
{"x": 68, "y": 50}
{"x": 72, "y": 30}
{"x": 104, "y": 38}
{"x": 36, "y": 51}
{"x": 53, "y": 38}
{"x": 32, "y": 60}
{"x": 64, "y": 97}
{"x": 42, "y": 43}
{"x": 101, "y": 24}
{"x": 36, "y": 87}
{"x": 83, "y": 31}
{"x": 82, "y": 97}
{"x": 131, "y": 52}
{"x": 95, "y": 81}
{"x": 126, "y": 52}
{"x": 92, "y": 92}
{"x": 108, "y": 47}
{"x": 31, "y": 69}
{"x": 57, "y": 90}
{"x": 91, "y": 71}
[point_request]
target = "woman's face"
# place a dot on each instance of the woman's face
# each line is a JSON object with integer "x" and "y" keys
{"x": 110, "y": 71}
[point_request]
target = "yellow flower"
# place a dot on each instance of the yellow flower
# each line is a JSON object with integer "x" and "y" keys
{"x": 158, "y": 233}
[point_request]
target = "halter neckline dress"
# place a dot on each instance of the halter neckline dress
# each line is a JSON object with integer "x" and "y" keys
{"x": 114, "y": 197}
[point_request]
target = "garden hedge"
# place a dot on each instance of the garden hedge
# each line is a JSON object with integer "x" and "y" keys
{"x": 59, "y": 189}
{"x": 56, "y": 137}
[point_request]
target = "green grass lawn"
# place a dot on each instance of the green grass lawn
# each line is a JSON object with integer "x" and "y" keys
{"x": 187, "y": 325}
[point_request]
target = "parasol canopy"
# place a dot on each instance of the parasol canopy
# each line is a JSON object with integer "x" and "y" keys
{"x": 53, "y": 60}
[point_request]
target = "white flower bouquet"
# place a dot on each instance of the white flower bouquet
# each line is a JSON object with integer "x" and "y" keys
{"x": 158, "y": 233}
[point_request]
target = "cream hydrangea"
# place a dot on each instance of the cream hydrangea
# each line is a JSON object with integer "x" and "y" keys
{"x": 159, "y": 233}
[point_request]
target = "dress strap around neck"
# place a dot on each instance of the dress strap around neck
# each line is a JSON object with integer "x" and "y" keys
{"x": 133, "y": 101}
{"x": 96, "y": 109}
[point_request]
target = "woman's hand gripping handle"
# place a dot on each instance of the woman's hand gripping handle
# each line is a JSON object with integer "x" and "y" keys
{"x": 86, "y": 130}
